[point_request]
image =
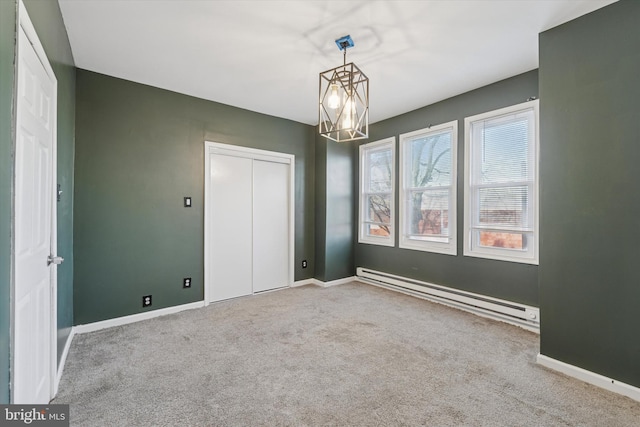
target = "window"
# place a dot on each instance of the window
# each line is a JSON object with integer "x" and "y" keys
{"x": 501, "y": 188}
{"x": 428, "y": 189}
{"x": 377, "y": 162}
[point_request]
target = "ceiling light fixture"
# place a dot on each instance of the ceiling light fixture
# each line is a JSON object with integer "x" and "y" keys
{"x": 344, "y": 100}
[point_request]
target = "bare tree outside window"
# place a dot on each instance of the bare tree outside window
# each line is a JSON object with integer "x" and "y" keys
{"x": 430, "y": 177}
{"x": 379, "y": 199}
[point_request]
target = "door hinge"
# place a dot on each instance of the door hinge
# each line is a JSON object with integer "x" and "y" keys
{"x": 57, "y": 260}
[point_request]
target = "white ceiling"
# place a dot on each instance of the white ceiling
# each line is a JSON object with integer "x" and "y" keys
{"x": 265, "y": 55}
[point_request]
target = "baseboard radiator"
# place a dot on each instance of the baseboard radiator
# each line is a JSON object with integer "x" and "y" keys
{"x": 518, "y": 314}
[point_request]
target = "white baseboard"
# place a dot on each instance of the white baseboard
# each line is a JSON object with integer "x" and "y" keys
{"x": 303, "y": 283}
{"x": 335, "y": 282}
{"x": 63, "y": 361}
{"x": 324, "y": 284}
{"x": 590, "y": 377}
{"x": 119, "y": 321}
{"x": 125, "y": 320}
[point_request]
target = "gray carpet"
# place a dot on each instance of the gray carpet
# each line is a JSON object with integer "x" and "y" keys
{"x": 349, "y": 355}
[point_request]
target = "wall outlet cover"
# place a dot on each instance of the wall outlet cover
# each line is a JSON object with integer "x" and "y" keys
{"x": 186, "y": 282}
{"x": 146, "y": 301}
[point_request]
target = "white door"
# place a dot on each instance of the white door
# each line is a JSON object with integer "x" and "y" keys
{"x": 231, "y": 237}
{"x": 270, "y": 225}
{"x": 34, "y": 195}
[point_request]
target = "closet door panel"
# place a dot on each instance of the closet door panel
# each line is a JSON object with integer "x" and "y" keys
{"x": 231, "y": 219}
{"x": 270, "y": 225}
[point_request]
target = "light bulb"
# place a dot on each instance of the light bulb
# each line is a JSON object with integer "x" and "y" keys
{"x": 348, "y": 113}
{"x": 346, "y": 122}
{"x": 334, "y": 98}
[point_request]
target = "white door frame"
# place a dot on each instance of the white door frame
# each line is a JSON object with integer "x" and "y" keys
{"x": 251, "y": 153}
{"x": 26, "y": 24}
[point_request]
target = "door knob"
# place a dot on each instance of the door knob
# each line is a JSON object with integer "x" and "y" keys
{"x": 57, "y": 260}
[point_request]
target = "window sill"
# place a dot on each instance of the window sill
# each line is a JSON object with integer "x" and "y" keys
{"x": 378, "y": 242}
{"x": 501, "y": 257}
{"x": 444, "y": 249}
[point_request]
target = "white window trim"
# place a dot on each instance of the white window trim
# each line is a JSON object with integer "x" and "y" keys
{"x": 362, "y": 237}
{"x": 497, "y": 253}
{"x": 450, "y": 248}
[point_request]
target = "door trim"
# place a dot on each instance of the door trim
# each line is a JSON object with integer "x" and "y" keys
{"x": 25, "y": 23}
{"x": 211, "y": 147}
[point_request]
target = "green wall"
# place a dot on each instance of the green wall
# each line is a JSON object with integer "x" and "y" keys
{"x": 48, "y": 23}
{"x": 47, "y": 20}
{"x": 7, "y": 54}
{"x": 589, "y": 277}
{"x": 320, "y": 208}
{"x": 339, "y": 229}
{"x": 139, "y": 151}
{"x": 334, "y": 207}
{"x": 508, "y": 280}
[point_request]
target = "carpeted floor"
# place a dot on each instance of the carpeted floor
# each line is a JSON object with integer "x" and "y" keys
{"x": 349, "y": 355}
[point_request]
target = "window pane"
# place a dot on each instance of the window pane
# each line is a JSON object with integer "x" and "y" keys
{"x": 429, "y": 213}
{"x": 379, "y": 173}
{"x": 430, "y": 161}
{"x": 379, "y": 208}
{"x": 505, "y": 150}
{"x": 504, "y": 206}
{"x": 376, "y": 215}
{"x": 494, "y": 239}
{"x": 501, "y": 212}
{"x": 377, "y": 230}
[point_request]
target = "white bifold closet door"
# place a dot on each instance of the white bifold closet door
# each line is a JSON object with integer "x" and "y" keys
{"x": 250, "y": 226}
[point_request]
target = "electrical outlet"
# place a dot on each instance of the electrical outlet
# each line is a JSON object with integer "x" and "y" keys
{"x": 186, "y": 282}
{"x": 146, "y": 301}
{"x": 187, "y": 202}
{"x": 304, "y": 263}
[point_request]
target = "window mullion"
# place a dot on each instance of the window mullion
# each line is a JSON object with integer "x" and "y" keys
{"x": 434, "y": 187}
{"x": 503, "y": 184}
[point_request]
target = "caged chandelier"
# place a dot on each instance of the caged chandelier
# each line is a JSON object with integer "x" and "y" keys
{"x": 344, "y": 100}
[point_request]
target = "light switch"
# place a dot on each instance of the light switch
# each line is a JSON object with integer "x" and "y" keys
{"x": 187, "y": 202}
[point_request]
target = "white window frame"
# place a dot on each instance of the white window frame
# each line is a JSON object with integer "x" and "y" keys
{"x": 406, "y": 242}
{"x": 363, "y": 237}
{"x": 471, "y": 246}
